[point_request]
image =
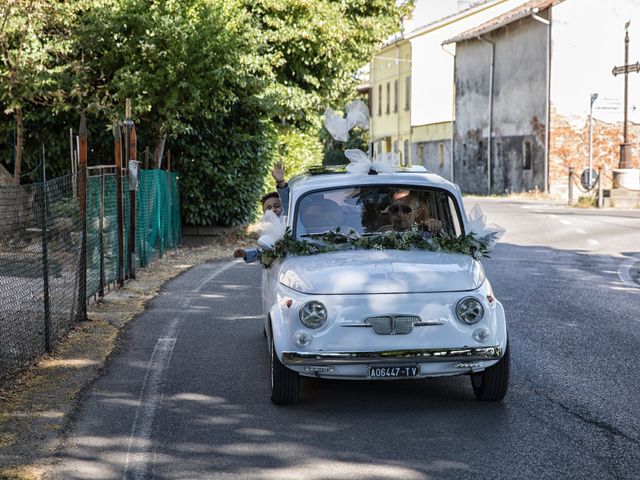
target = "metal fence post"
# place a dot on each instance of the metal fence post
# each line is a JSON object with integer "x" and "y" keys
{"x": 570, "y": 185}
{"x": 45, "y": 252}
{"x": 82, "y": 198}
{"x": 102, "y": 278}
{"x": 600, "y": 193}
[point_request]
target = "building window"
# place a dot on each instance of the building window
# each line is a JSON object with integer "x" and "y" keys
{"x": 388, "y": 96}
{"x": 441, "y": 155}
{"x": 379, "y": 99}
{"x": 526, "y": 155}
{"x": 395, "y": 96}
{"x": 407, "y": 93}
{"x": 406, "y": 151}
{"x": 480, "y": 152}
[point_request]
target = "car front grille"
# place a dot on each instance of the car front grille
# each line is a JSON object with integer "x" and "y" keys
{"x": 392, "y": 324}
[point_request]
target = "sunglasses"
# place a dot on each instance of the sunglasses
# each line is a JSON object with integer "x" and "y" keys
{"x": 406, "y": 209}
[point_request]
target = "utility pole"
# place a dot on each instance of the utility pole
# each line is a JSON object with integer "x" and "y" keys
{"x": 625, "y": 147}
{"x": 594, "y": 96}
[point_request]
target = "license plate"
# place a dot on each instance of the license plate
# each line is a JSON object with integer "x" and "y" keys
{"x": 393, "y": 372}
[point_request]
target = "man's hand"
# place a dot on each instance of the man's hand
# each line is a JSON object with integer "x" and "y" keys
{"x": 278, "y": 174}
{"x": 240, "y": 253}
{"x": 434, "y": 225}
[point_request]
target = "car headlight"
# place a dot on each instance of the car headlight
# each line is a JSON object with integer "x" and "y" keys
{"x": 469, "y": 310}
{"x": 313, "y": 314}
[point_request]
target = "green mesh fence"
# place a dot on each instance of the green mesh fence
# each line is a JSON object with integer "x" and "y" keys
{"x": 40, "y": 245}
{"x": 158, "y": 224}
{"x": 41, "y": 232}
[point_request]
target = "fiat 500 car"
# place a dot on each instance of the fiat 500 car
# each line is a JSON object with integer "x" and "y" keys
{"x": 373, "y": 307}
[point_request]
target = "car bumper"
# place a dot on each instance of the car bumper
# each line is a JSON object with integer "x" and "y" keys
{"x": 392, "y": 356}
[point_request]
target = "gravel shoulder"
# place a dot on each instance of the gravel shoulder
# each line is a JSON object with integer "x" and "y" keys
{"x": 36, "y": 409}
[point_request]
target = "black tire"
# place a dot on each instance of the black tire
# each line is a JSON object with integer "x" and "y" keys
{"x": 285, "y": 383}
{"x": 492, "y": 383}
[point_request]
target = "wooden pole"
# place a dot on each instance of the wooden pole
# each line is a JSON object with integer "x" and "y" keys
{"x": 168, "y": 160}
{"x": 117, "y": 145}
{"x": 82, "y": 200}
{"x": 133, "y": 157}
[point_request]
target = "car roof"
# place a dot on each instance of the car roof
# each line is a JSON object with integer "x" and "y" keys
{"x": 304, "y": 183}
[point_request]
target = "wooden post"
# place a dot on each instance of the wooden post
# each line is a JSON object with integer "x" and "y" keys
{"x": 82, "y": 200}
{"x": 117, "y": 145}
{"x": 133, "y": 156}
{"x": 156, "y": 160}
{"x": 168, "y": 160}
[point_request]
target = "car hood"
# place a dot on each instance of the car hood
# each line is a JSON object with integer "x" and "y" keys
{"x": 387, "y": 271}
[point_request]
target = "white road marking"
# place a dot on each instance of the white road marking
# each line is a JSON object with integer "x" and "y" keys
{"x": 581, "y": 231}
{"x": 565, "y": 222}
{"x": 214, "y": 274}
{"x": 138, "y": 451}
{"x": 624, "y": 272}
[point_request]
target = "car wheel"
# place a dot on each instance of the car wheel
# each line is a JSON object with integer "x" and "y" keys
{"x": 492, "y": 383}
{"x": 285, "y": 383}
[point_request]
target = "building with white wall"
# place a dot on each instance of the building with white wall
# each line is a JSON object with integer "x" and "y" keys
{"x": 524, "y": 82}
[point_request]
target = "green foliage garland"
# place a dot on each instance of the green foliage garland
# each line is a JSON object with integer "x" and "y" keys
{"x": 412, "y": 239}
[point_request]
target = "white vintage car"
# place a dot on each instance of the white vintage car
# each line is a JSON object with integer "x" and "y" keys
{"x": 380, "y": 313}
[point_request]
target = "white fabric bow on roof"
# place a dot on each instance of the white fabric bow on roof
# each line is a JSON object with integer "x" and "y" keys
{"x": 360, "y": 162}
{"x": 338, "y": 127}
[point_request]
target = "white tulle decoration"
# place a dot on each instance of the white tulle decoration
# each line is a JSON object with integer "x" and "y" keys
{"x": 357, "y": 114}
{"x": 360, "y": 162}
{"x": 338, "y": 127}
{"x": 477, "y": 226}
{"x": 272, "y": 228}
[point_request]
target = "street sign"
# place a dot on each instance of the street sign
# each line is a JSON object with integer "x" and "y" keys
{"x": 634, "y": 67}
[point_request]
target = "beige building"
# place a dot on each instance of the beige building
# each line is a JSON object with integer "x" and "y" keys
{"x": 390, "y": 77}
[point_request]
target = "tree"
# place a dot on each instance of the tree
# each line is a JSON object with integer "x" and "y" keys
{"x": 315, "y": 48}
{"x": 33, "y": 39}
{"x": 179, "y": 60}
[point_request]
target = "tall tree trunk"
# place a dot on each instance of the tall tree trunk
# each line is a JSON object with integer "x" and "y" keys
{"x": 19, "y": 144}
{"x": 160, "y": 141}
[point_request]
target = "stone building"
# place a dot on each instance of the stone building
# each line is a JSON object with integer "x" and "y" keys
{"x": 411, "y": 82}
{"x": 526, "y": 79}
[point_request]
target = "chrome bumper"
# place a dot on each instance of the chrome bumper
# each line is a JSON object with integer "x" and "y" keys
{"x": 392, "y": 356}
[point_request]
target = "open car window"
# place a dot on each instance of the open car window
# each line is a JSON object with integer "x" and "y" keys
{"x": 376, "y": 209}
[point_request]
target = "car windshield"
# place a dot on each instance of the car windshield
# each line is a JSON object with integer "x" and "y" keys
{"x": 369, "y": 210}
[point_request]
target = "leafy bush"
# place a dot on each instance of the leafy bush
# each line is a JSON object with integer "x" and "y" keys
{"x": 222, "y": 168}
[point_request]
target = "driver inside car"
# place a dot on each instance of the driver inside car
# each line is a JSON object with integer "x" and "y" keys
{"x": 406, "y": 210}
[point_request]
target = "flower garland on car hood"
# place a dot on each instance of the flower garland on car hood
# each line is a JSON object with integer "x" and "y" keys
{"x": 413, "y": 239}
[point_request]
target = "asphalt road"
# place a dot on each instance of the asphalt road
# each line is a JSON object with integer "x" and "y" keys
{"x": 186, "y": 396}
